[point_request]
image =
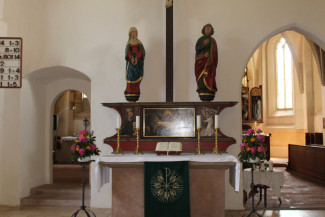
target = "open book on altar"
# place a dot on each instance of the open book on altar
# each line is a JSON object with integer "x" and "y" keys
{"x": 168, "y": 148}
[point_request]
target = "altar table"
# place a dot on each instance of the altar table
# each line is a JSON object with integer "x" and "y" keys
{"x": 207, "y": 181}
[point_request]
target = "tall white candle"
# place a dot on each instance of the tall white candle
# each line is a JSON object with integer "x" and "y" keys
{"x": 198, "y": 121}
{"x": 216, "y": 121}
{"x": 137, "y": 122}
{"x": 118, "y": 122}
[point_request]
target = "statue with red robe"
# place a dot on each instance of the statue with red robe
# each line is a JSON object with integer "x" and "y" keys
{"x": 134, "y": 56}
{"x": 206, "y": 61}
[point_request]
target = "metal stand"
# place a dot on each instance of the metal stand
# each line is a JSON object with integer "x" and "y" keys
{"x": 253, "y": 210}
{"x": 83, "y": 207}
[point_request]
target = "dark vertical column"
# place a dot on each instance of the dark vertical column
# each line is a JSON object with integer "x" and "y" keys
{"x": 169, "y": 55}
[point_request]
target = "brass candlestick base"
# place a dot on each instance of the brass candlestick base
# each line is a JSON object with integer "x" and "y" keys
{"x": 118, "y": 148}
{"x": 216, "y": 150}
{"x": 138, "y": 149}
{"x": 199, "y": 149}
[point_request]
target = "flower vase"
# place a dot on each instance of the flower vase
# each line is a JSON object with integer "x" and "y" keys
{"x": 84, "y": 159}
{"x": 250, "y": 160}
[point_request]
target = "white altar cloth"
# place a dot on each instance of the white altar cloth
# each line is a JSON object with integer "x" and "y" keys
{"x": 102, "y": 172}
{"x": 68, "y": 138}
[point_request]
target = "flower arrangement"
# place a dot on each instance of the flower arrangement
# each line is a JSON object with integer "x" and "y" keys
{"x": 252, "y": 146}
{"x": 84, "y": 146}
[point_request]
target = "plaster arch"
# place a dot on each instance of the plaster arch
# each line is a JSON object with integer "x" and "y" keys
{"x": 40, "y": 90}
{"x": 281, "y": 32}
{"x": 293, "y": 27}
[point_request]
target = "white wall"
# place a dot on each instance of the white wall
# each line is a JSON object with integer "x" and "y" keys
{"x": 32, "y": 137}
{"x": 90, "y": 37}
{"x": 36, "y": 126}
{"x": 10, "y": 148}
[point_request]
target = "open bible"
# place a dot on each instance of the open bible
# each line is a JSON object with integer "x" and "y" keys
{"x": 168, "y": 148}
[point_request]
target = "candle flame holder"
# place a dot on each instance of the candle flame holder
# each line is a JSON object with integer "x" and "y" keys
{"x": 118, "y": 148}
{"x": 216, "y": 150}
{"x": 138, "y": 149}
{"x": 199, "y": 149}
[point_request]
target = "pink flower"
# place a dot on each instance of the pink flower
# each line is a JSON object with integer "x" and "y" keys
{"x": 82, "y": 139}
{"x": 260, "y": 138}
{"x": 258, "y": 130}
{"x": 260, "y": 149}
{"x": 243, "y": 146}
{"x": 250, "y": 131}
{"x": 81, "y": 152}
{"x": 253, "y": 150}
{"x": 93, "y": 147}
{"x": 83, "y": 132}
{"x": 73, "y": 147}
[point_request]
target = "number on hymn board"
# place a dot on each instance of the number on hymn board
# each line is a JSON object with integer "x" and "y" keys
{"x": 10, "y": 62}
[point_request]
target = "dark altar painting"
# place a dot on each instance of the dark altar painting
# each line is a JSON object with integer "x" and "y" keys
{"x": 169, "y": 122}
{"x": 256, "y": 104}
{"x": 128, "y": 115}
{"x": 207, "y": 121}
{"x": 256, "y": 108}
{"x": 245, "y": 104}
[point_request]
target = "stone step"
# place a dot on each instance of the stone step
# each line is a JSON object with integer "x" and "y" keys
{"x": 57, "y": 195}
{"x": 30, "y": 201}
{"x": 59, "y": 189}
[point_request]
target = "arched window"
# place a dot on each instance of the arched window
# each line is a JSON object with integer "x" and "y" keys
{"x": 283, "y": 75}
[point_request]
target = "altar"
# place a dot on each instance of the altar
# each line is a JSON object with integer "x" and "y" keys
{"x": 207, "y": 181}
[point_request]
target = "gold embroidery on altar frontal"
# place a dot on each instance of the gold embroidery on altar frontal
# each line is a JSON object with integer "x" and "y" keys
{"x": 166, "y": 185}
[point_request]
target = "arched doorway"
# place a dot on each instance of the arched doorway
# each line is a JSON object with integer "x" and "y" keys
{"x": 290, "y": 103}
{"x": 286, "y": 71}
{"x": 71, "y": 115}
{"x": 40, "y": 91}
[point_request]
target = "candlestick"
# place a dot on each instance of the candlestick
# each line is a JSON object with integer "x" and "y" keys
{"x": 118, "y": 148}
{"x": 198, "y": 121}
{"x": 216, "y": 150}
{"x": 255, "y": 126}
{"x": 199, "y": 149}
{"x": 118, "y": 122}
{"x": 137, "y": 122}
{"x": 216, "y": 121}
{"x": 138, "y": 149}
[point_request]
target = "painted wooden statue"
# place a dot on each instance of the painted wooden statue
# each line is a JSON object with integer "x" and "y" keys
{"x": 206, "y": 61}
{"x": 134, "y": 56}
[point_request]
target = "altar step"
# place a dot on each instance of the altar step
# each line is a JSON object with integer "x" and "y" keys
{"x": 57, "y": 195}
{"x": 279, "y": 162}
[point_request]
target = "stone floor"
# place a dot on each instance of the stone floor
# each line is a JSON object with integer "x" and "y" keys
{"x": 68, "y": 211}
{"x": 300, "y": 198}
{"x": 297, "y": 193}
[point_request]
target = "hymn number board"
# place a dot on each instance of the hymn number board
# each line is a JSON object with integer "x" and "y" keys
{"x": 10, "y": 62}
